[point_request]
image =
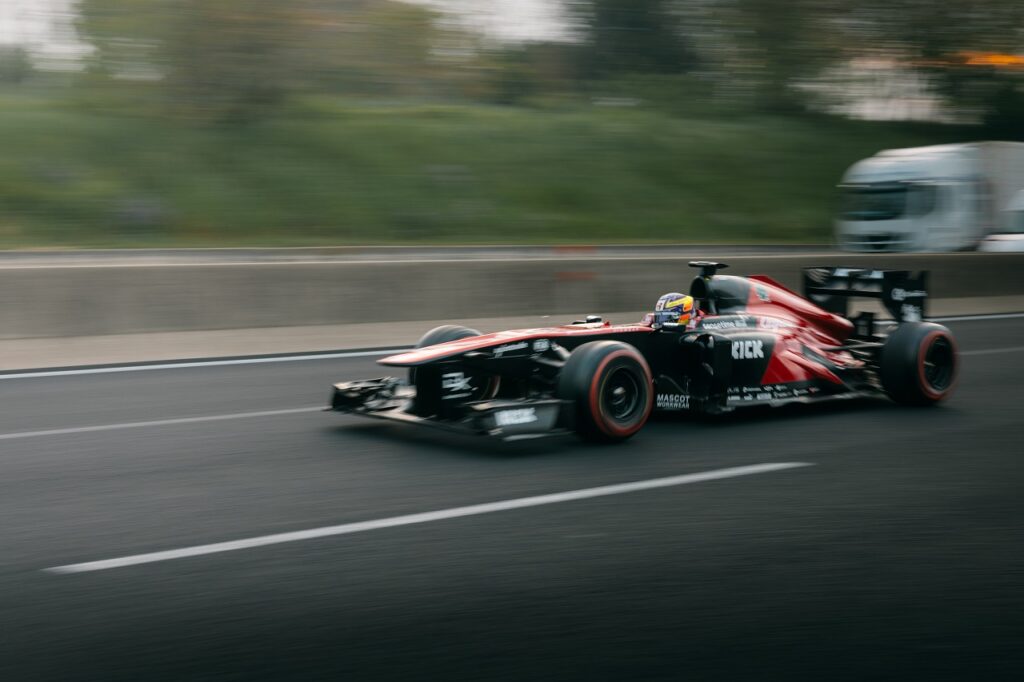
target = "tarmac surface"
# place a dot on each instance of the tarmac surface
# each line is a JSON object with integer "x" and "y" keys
{"x": 897, "y": 554}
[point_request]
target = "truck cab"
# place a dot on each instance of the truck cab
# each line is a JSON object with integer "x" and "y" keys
{"x": 1011, "y": 241}
{"x": 921, "y": 199}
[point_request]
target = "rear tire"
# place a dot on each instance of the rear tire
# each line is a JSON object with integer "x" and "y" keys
{"x": 919, "y": 364}
{"x": 611, "y": 389}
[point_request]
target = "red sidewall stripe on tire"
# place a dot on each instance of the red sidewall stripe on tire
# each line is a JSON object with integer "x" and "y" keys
{"x": 922, "y": 353}
{"x": 596, "y": 382}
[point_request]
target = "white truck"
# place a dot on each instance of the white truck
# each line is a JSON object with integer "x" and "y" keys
{"x": 1014, "y": 239}
{"x": 940, "y": 198}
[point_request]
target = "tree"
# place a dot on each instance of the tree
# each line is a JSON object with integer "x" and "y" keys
{"x": 376, "y": 47}
{"x": 231, "y": 60}
{"x": 759, "y": 51}
{"x": 15, "y": 64}
{"x": 771, "y": 48}
{"x": 218, "y": 60}
{"x": 234, "y": 60}
{"x": 631, "y": 36}
{"x": 970, "y": 50}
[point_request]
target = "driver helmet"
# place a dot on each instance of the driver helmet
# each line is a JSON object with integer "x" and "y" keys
{"x": 675, "y": 308}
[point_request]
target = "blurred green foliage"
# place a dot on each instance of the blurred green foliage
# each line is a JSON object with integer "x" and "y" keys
{"x": 631, "y": 36}
{"x": 233, "y": 61}
{"x": 15, "y": 65}
{"x": 334, "y": 171}
{"x": 211, "y": 122}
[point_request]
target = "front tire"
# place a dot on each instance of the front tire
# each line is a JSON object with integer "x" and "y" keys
{"x": 919, "y": 364}
{"x": 611, "y": 389}
{"x": 444, "y": 334}
{"x": 428, "y": 379}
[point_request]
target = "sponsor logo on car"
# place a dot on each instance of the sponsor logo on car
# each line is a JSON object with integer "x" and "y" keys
{"x": 729, "y": 323}
{"x": 899, "y": 294}
{"x": 510, "y": 347}
{"x": 769, "y": 393}
{"x": 774, "y": 323}
{"x": 752, "y": 349}
{"x": 455, "y": 381}
{"x": 673, "y": 401}
{"x": 456, "y": 385}
{"x": 524, "y": 415}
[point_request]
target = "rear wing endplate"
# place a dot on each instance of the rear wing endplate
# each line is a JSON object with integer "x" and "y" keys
{"x": 902, "y": 293}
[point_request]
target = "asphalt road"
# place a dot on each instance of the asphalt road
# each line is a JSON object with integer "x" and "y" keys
{"x": 898, "y": 555}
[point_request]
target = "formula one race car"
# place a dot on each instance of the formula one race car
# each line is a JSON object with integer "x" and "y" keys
{"x": 750, "y": 341}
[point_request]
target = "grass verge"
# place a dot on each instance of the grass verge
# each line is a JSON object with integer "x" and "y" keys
{"x": 337, "y": 172}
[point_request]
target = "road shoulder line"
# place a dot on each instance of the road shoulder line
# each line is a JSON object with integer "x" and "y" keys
{"x": 156, "y": 422}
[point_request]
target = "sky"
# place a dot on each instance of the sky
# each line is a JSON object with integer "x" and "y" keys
{"x": 18, "y": 24}
{"x": 506, "y": 19}
{"x": 44, "y": 25}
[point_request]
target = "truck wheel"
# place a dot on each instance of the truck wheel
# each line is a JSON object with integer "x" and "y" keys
{"x": 919, "y": 364}
{"x": 611, "y": 389}
{"x": 428, "y": 380}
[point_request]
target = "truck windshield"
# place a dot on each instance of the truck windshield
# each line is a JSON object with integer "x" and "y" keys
{"x": 887, "y": 201}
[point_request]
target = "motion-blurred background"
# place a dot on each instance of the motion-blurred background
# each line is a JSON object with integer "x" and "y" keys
{"x": 497, "y": 164}
{"x": 312, "y": 122}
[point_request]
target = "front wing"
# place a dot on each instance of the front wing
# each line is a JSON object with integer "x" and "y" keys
{"x": 509, "y": 420}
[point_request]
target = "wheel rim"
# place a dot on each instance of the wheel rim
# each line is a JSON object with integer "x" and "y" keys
{"x": 621, "y": 395}
{"x": 938, "y": 364}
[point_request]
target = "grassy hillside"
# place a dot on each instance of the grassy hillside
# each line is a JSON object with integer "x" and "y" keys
{"x": 342, "y": 173}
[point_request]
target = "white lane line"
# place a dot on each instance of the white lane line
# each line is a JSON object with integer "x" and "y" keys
{"x": 200, "y": 363}
{"x": 335, "y": 356}
{"x": 427, "y": 517}
{"x": 972, "y": 318}
{"x": 158, "y": 422}
{"x": 992, "y": 351}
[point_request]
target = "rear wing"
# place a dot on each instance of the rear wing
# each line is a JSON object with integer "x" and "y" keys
{"x": 904, "y": 295}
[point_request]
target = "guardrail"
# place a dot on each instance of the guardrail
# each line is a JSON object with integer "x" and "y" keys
{"x": 86, "y": 300}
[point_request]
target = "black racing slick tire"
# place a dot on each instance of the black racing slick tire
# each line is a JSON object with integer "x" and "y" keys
{"x": 611, "y": 390}
{"x": 442, "y": 334}
{"x": 919, "y": 364}
{"x": 428, "y": 380}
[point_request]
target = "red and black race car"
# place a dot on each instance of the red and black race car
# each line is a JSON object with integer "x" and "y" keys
{"x": 755, "y": 343}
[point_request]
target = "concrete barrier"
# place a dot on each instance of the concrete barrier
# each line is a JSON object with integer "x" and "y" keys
{"x": 87, "y": 300}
